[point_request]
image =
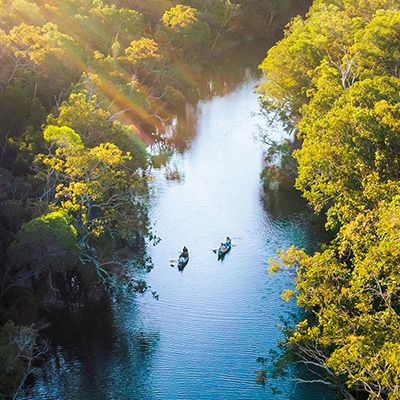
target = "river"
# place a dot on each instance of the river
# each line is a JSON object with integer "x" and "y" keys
{"x": 201, "y": 339}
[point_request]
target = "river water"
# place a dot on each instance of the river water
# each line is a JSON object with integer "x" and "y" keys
{"x": 201, "y": 339}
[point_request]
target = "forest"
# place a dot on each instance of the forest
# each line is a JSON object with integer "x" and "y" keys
{"x": 85, "y": 87}
{"x": 335, "y": 80}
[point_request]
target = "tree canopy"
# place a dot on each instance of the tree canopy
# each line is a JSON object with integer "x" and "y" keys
{"x": 334, "y": 77}
{"x": 85, "y": 87}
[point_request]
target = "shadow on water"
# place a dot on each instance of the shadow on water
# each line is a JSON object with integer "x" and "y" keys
{"x": 75, "y": 331}
{"x": 87, "y": 351}
{"x": 287, "y": 206}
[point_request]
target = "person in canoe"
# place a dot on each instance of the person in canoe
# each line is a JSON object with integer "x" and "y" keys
{"x": 224, "y": 248}
{"x": 185, "y": 252}
{"x": 183, "y": 259}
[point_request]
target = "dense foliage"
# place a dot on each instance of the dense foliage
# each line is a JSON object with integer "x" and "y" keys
{"x": 335, "y": 77}
{"x": 84, "y": 86}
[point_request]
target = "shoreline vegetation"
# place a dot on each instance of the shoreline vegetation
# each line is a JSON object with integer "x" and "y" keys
{"x": 85, "y": 88}
{"x": 335, "y": 80}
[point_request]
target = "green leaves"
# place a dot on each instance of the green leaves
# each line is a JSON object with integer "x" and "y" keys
{"x": 354, "y": 140}
{"x": 142, "y": 50}
{"x": 379, "y": 44}
{"x": 335, "y": 77}
{"x": 96, "y": 186}
{"x": 180, "y": 17}
{"x": 63, "y": 137}
{"x": 46, "y": 243}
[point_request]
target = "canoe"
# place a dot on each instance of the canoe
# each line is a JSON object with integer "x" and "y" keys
{"x": 222, "y": 251}
{"x": 182, "y": 262}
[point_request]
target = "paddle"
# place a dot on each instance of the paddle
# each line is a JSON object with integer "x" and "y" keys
{"x": 172, "y": 262}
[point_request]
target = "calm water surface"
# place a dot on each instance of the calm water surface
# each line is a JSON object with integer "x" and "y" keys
{"x": 200, "y": 340}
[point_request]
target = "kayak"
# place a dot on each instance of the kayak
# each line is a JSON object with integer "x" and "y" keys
{"x": 223, "y": 250}
{"x": 182, "y": 262}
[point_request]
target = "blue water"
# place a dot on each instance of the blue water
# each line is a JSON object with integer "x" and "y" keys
{"x": 201, "y": 339}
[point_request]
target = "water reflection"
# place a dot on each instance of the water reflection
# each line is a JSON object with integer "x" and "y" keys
{"x": 223, "y": 76}
{"x": 97, "y": 356}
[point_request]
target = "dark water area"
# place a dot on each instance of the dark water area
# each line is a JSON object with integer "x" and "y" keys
{"x": 201, "y": 339}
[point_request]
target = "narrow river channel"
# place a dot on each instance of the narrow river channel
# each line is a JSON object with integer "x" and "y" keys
{"x": 201, "y": 339}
